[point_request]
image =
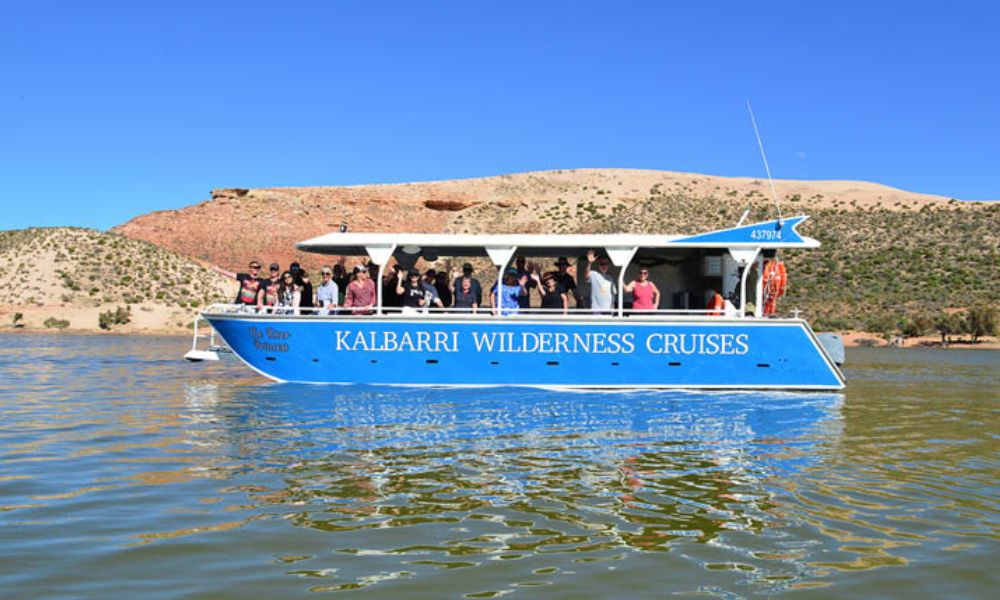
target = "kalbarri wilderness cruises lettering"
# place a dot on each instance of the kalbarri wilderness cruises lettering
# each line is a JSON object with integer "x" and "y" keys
{"x": 631, "y": 311}
{"x": 541, "y": 342}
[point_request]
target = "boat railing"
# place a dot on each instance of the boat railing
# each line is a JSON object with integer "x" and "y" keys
{"x": 214, "y": 346}
{"x": 452, "y": 312}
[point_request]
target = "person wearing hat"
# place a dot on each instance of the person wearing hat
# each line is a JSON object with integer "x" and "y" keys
{"x": 512, "y": 289}
{"x": 566, "y": 282}
{"x": 603, "y": 289}
{"x": 268, "y": 296}
{"x": 474, "y": 285}
{"x": 554, "y": 299}
{"x": 417, "y": 294}
{"x": 361, "y": 294}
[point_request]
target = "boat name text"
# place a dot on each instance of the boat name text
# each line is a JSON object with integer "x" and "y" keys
{"x": 269, "y": 338}
{"x": 542, "y": 342}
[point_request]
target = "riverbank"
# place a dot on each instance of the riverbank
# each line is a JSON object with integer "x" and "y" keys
{"x": 143, "y": 319}
{"x": 863, "y": 339}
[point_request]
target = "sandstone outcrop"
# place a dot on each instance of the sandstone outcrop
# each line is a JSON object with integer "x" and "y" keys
{"x": 240, "y": 224}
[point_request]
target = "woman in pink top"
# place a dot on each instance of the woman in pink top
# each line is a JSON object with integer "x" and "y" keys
{"x": 361, "y": 295}
{"x": 645, "y": 294}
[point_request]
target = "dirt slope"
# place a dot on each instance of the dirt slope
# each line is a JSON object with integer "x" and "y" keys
{"x": 74, "y": 275}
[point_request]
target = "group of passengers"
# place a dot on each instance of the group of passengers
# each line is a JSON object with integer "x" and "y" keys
{"x": 406, "y": 290}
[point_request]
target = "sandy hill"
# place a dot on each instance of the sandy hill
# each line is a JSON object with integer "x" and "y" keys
{"x": 239, "y": 224}
{"x": 887, "y": 255}
{"x": 75, "y": 274}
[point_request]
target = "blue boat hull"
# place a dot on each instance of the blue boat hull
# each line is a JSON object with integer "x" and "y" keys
{"x": 574, "y": 353}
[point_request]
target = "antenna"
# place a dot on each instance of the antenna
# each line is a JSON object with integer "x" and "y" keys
{"x": 744, "y": 217}
{"x": 760, "y": 144}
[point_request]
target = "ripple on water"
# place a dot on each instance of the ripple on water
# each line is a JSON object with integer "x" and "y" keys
{"x": 115, "y": 458}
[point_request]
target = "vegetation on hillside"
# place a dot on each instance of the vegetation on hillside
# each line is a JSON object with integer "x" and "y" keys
{"x": 879, "y": 270}
{"x": 75, "y": 267}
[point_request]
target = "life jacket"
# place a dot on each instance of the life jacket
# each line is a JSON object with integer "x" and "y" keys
{"x": 775, "y": 278}
{"x": 716, "y": 305}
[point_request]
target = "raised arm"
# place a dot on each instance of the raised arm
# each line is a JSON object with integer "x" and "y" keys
{"x": 523, "y": 282}
{"x": 538, "y": 282}
{"x": 224, "y": 272}
{"x": 591, "y": 257}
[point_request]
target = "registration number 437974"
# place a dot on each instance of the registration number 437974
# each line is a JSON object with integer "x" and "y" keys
{"x": 765, "y": 234}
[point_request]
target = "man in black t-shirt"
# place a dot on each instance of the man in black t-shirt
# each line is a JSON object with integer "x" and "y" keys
{"x": 250, "y": 283}
{"x": 415, "y": 293}
{"x": 566, "y": 282}
{"x": 268, "y": 295}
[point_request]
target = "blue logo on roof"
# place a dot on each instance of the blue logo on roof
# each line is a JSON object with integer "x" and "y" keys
{"x": 774, "y": 232}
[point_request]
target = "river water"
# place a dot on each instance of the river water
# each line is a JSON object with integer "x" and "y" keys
{"x": 125, "y": 472}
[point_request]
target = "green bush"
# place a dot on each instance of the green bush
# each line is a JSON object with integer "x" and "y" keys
{"x": 981, "y": 320}
{"x": 54, "y": 323}
{"x": 119, "y": 316}
{"x": 916, "y": 324}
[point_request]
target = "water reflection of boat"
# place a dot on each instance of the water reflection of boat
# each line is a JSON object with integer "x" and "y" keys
{"x": 648, "y": 467}
{"x": 693, "y": 339}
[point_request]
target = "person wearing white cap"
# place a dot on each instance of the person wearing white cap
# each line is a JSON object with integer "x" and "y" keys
{"x": 361, "y": 295}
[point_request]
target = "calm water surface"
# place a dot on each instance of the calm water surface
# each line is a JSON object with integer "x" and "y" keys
{"x": 125, "y": 472}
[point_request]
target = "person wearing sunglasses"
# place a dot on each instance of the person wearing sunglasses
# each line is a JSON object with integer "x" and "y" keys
{"x": 269, "y": 292}
{"x": 250, "y": 283}
{"x": 289, "y": 295}
{"x": 417, "y": 295}
{"x": 645, "y": 294}
{"x": 328, "y": 292}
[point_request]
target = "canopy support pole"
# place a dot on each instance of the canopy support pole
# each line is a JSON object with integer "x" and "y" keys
{"x": 744, "y": 257}
{"x": 621, "y": 257}
{"x": 500, "y": 255}
{"x": 380, "y": 255}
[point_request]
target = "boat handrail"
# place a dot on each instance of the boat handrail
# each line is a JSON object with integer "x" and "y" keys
{"x": 459, "y": 313}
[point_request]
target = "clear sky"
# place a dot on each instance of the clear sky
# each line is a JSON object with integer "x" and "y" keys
{"x": 113, "y": 109}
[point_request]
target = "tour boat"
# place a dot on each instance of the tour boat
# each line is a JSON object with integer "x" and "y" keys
{"x": 680, "y": 344}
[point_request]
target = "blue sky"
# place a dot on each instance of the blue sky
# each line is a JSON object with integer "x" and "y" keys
{"x": 113, "y": 109}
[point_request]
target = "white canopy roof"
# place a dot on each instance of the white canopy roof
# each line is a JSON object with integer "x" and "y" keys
{"x": 770, "y": 234}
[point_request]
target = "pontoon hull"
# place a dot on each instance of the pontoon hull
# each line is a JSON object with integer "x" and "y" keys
{"x": 572, "y": 353}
